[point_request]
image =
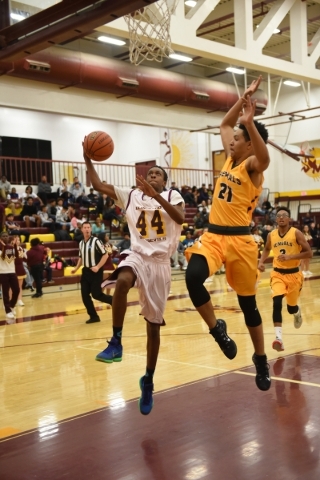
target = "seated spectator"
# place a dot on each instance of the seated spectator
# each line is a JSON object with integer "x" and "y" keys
{"x": 77, "y": 232}
{"x": 5, "y": 187}
{"x": 110, "y": 212}
{"x": 258, "y": 239}
{"x": 76, "y": 180}
{"x": 189, "y": 198}
{"x": 52, "y": 209}
{"x": 204, "y": 216}
{"x": 102, "y": 203}
{"x": 45, "y": 220}
{"x": 45, "y": 191}
{"x": 62, "y": 217}
{"x": 210, "y": 191}
{"x": 307, "y": 219}
{"x": 72, "y": 218}
{"x": 198, "y": 221}
{"x": 29, "y": 213}
{"x": 174, "y": 187}
{"x": 188, "y": 241}
{"x": 178, "y": 259}
{"x": 202, "y": 205}
{"x": 64, "y": 192}
{"x": 98, "y": 227}
{"x": 124, "y": 244}
{"x": 29, "y": 193}
{"x": 78, "y": 194}
{"x": 203, "y": 195}
{"x": 264, "y": 210}
{"x": 93, "y": 198}
{"x": 14, "y": 228}
{"x": 13, "y": 201}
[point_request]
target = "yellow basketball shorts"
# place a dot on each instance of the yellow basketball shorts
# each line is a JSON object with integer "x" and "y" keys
{"x": 289, "y": 284}
{"x": 239, "y": 255}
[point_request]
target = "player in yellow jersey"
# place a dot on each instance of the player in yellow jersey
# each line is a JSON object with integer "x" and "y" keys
{"x": 289, "y": 247}
{"x": 228, "y": 240}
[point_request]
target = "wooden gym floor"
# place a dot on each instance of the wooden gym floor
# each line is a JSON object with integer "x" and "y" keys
{"x": 66, "y": 416}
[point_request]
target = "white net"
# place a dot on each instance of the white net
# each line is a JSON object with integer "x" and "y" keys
{"x": 149, "y": 31}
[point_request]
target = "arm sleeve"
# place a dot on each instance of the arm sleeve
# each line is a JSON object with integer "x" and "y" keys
{"x": 176, "y": 198}
{"x": 122, "y": 196}
{"x": 100, "y": 247}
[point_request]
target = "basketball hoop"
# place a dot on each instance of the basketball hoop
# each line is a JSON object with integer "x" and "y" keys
{"x": 149, "y": 31}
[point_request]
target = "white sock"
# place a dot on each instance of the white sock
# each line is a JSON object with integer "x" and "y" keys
{"x": 278, "y": 332}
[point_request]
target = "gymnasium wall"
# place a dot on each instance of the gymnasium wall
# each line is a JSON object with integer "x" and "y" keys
{"x": 36, "y": 110}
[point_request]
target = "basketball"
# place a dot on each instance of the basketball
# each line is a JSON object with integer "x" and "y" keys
{"x": 98, "y": 146}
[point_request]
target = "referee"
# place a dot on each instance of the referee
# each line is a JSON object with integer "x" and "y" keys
{"x": 92, "y": 255}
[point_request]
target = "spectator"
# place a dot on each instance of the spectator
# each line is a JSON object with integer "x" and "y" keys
{"x": 5, "y": 187}
{"x": 72, "y": 216}
{"x": 14, "y": 228}
{"x": 189, "y": 198}
{"x": 76, "y": 180}
{"x": 188, "y": 241}
{"x": 52, "y": 209}
{"x": 198, "y": 221}
{"x": 29, "y": 213}
{"x": 62, "y": 217}
{"x": 2, "y": 217}
{"x": 102, "y": 204}
{"x": 203, "y": 195}
{"x": 78, "y": 193}
{"x": 124, "y": 244}
{"x": 35, "y": 263}
{"x": 13, "y": 201}
{"x": 93, "y": 198}
{"x": 77, "y": 232}
{"x": 315, "y": 234}
{"x": 174, "y": 187}
{"x": 8, "y": 276}
{"x": 45, "y": 220}
{"x": 178, "y": 259}
{"x": 29, "y": 193}
{"x": 98, "y": 227}
{"x": 307, "y": 220}
{"x": 110, "y": 212}
{"x": 204, "y": 216}
{"x": 210, "y": 190}
{"x": 45, "y": 191}
{"x": 64, "y": 193}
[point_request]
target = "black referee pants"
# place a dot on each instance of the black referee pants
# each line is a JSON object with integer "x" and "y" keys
{"x": 91, "y": 287}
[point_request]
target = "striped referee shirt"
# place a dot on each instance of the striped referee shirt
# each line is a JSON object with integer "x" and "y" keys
{"x": 91, "y": 251}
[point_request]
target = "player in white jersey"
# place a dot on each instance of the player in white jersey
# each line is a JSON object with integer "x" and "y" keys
{"x": 154, "y": 217}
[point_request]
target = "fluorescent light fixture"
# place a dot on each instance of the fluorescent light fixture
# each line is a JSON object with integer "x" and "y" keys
{"x": 182, "y": 58}
{"x": 239, "y": 71}
{"x": 291, "y": 83}
{"x": 16, "y": 16}
{"x": 190, "y": 3}
{"x": 113, "y": 41}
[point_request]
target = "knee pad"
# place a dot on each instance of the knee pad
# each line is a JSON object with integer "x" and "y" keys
{"x": 277, "y": 308}
{"x": 292, "y": 310}
{"x": 250, "y": 310}
{"x": 197, "y": 272}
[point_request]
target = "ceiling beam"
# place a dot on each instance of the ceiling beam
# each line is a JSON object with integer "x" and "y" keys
{"x": 67, "y": 26}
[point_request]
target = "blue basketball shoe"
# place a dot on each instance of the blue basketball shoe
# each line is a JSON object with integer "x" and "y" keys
{"x": 113, "y": 352}
{"x": 146, "y": 400}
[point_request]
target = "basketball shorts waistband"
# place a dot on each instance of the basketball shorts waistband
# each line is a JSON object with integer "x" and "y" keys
{"x": 224, "y": 230}
{"x": 285, "y": 271}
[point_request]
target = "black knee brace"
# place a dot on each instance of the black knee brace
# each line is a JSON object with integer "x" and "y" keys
{"x": 292, "y": 310}
{"x": 277, "y": 308}
{"x": 250, "y": 310}
{"x": 196, "y": 274}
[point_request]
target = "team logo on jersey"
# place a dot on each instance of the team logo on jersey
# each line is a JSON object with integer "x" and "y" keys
{"x": 230, "y": 177}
